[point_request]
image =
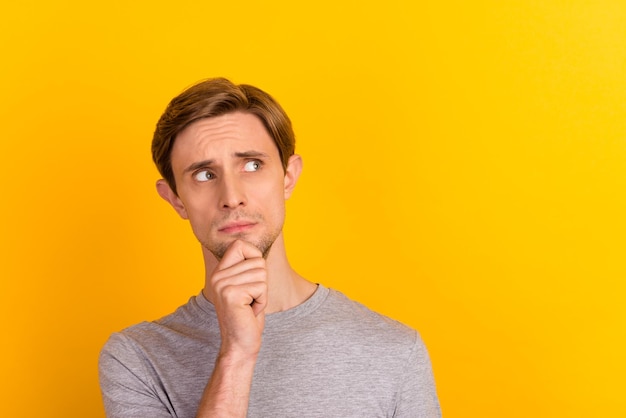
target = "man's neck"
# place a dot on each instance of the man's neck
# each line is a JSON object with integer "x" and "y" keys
{"x": 286, "y": 288}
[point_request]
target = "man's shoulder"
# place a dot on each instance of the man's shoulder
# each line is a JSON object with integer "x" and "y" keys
{"x": 185, "y": 322}
{"x": 356, "y": 318}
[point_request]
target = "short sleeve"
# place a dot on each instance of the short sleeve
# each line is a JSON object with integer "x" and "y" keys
{"x": 417, "y": 395}
{"x": 127, "y": 389}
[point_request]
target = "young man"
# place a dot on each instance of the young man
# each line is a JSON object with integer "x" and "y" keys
{"x": 259, "y": 340}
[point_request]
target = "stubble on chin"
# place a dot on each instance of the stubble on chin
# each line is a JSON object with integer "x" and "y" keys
{"x": 264, "y": 244}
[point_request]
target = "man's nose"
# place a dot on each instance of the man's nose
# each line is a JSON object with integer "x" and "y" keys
{"x": 232, "y": 194}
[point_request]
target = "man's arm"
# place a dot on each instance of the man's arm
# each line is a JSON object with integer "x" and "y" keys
{"x": 228, "y": 390}
{"x": 238, "y": 290}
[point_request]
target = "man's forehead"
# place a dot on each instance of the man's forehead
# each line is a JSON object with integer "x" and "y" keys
{"x": 227, "y": 136}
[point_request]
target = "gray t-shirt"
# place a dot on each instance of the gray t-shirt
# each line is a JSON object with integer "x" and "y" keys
{"x": 328, "y": 357}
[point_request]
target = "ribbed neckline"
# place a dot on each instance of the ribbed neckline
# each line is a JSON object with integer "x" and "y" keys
{"x": 276, "y": 319}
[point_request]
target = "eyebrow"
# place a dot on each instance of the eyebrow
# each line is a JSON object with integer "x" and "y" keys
{"x": 208, "y": 163}
{"x": 251, "y": 154}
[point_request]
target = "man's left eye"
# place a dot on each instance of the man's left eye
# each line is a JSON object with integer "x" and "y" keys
{"x": 252, "y": 166}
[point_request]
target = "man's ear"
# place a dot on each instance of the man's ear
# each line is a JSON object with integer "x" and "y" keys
{"x": 292, "y": 173}
{"x": 166, "y": 192}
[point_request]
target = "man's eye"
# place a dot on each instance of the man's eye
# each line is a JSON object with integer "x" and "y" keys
{"x": 203, "y": 175}
{"x": 252, "y": 165}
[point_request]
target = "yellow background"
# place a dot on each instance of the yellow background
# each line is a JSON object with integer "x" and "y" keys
{"x": 465, "y": 170}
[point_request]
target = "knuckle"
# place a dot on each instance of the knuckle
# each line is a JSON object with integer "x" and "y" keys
{"x": 229, "y": 293}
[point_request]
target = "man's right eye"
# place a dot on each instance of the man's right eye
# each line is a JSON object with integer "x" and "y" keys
{"x": 203, "y": 175}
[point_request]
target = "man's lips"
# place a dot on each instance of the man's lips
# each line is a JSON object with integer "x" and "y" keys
{"x": 235, "y": 227}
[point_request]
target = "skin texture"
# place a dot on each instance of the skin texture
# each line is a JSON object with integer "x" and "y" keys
{"x": 232, "y": 188}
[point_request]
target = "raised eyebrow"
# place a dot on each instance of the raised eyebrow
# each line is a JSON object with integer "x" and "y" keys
{"x": 197, "y": 165}
{"x": 251, "y": 154}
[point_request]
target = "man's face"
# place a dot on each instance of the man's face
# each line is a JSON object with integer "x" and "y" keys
{"x": 230, "y": 181}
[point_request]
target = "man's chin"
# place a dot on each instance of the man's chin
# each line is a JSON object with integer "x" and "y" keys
{"x": 219, "y": 249}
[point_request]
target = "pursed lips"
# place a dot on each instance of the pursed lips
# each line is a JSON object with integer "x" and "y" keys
{"x": 236, "y": 227}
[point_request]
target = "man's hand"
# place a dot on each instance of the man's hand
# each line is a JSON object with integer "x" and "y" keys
{"x": 238, "y": 289}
